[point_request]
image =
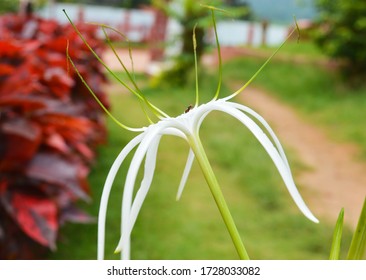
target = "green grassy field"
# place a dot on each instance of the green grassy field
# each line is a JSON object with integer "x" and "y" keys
{"x": 269, "y": 222}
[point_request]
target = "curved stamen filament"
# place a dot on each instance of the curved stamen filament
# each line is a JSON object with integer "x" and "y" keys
{"x": 218, "y": 54}
{"x": 159, "y": 113}
{"x": 263, "y": 65}
{"x": 195, "y": 63}
{"x": 137, "y": 93}
{"x": 108, "y": 40}
{"x": 96, "y": 97}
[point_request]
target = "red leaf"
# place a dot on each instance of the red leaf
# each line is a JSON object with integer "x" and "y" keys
{"x": 57, "y": 44}
{"x": 58, "y": 81}
{"x": 56, "y": 141}
{"x": 9, "y": 48}
{"x": 72, "y": 129}
{"x": 36, "y": 216}
{"x": 53, "y": 169}
{"x": 3, "y": 187}
{"x": 72, "y": 214}
{"x": 84, "y": 150}
{"x": 25, "y": 82}
{"x": 21, "y": 140}
{"x": 26, "y": 103}
{"x": 6, "y": 69}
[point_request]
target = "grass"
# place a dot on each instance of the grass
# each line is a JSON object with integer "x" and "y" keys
{"x": 305, "y": 48}
{"x": 270, "y": 224}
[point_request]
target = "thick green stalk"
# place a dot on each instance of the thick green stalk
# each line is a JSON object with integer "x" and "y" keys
{"x": 215, "y": 189}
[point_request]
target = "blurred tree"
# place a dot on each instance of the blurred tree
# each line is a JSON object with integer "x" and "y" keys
{"x": 112, "y": 3}
{"x": 342, "y": 35}
{"x": 190, "y": 14}
{"x": 7, "y": 6}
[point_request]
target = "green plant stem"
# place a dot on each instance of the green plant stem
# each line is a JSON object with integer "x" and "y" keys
{"x": 358, "y": 244}
{"x": 337, "y": 238}
{"x": 215, "y": 189}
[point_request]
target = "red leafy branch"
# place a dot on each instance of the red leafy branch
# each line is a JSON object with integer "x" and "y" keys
{"x": 49, "y": 129}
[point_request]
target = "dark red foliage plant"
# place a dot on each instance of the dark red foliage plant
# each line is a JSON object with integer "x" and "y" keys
{"x": 49, "y": 129}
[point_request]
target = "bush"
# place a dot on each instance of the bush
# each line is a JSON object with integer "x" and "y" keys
{"x": 49, "y": 129}
{"x": 342, "y": 35}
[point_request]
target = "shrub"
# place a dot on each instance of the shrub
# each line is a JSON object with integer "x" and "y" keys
{"x": 342, "y": 35}
{"x": 49, "y": 129}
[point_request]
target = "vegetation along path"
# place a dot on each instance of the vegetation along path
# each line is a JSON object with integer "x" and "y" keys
{"x": 333, "y": 178}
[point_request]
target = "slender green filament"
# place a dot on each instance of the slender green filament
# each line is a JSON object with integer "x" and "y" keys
{"x": 100, "y": 60}
{"x": 143, "y": 102}
{"x": 218, "y": 54}
{"x": 160, "y": 114}
{"x": 263, "y": 65}
{"x": 195, "y": 63}
{"x": 108, "y": 40}
{"x": 95, "y": 96}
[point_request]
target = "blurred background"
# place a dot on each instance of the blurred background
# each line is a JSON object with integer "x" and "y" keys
{"x": 57, "y": 145}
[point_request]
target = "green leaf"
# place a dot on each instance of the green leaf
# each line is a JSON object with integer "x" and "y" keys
{"x": 337, "y": 237}
{"x": 358, "y": 243}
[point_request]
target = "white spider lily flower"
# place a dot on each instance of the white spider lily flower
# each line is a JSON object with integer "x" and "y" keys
{"x": 185, "y": 126}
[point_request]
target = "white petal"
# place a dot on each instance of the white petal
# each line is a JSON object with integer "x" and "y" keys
{"x": 273, "y": 153}
{"x": 266, "y": 126}
{"x": 107, "y": 190}
{"x": 186, "y": 171}
{"x": 150, "y": 163}
{"x": 149, "y": 169}
{"x": 135, "y": 164}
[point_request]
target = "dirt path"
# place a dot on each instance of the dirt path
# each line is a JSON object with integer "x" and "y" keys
{"x": 333, "y": 178}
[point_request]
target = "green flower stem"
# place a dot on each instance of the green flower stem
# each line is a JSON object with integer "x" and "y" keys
{"x": 215, "y": 189}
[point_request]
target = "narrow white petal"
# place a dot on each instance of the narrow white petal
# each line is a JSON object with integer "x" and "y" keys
{"x": 149, "y": 169}
{"x": 273, "y": 153}
{"x": 266, "y": 126}
{"x": 175, "y": 132}
{"x": 107, "y": 190}
{"x": 135, "y": 164}
{"x": 150, "y": 163}
{"x": 186, "y": 171}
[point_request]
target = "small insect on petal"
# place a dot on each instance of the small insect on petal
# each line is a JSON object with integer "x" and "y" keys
{"x": 189, "y": 108}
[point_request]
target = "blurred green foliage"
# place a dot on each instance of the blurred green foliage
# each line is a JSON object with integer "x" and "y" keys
{"x": 7, "y": 6}
{"x": 342, "y": 35}
{"x": 192, "y": 14}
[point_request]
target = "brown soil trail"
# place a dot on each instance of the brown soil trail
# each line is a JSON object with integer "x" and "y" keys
{"x": 333, "y": 178}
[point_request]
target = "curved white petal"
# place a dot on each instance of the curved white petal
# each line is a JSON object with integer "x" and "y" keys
{"x": 186, "y": 171}
{"x": 135, "y": 164}
{"x": 266, "y": 126}
{"x": 149, "y": 169}
{"x": 175, "y": 131}
{"x": 273, "y": 153}
{"x": 107, "y": 190}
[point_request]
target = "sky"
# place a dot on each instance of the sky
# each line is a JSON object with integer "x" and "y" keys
{"x": 282, "y": 11}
